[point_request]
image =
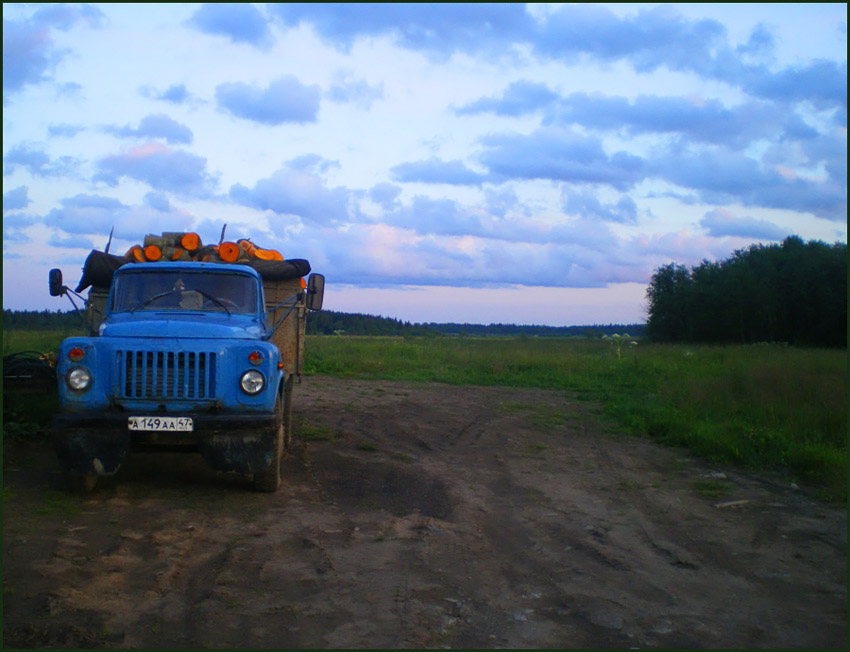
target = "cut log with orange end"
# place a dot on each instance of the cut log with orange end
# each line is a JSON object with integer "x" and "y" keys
{"x": 190, "y": 242}
{"x": 247, "y": 246}
{"x": 153, "y": 253}
{"x": 267, "y": 254}
{"x": 229, "y": 251}
{"x": 135, "y": 253}
{"x": 303, "y": 284}
{"x": 180, "y": 254}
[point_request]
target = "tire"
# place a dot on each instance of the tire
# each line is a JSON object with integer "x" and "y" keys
{"x": 268, "y": 481}
{"x": 80, "y": 483}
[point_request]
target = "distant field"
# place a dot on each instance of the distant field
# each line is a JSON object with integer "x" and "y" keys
{"x": 765, "y": 407}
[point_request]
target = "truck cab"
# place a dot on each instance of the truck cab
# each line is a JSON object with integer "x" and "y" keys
{"x": 182, "y": 356}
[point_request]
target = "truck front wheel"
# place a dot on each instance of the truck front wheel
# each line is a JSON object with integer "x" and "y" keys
{"x": 269, "y": 480}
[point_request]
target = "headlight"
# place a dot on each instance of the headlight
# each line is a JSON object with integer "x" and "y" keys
{"x": 252, "y": 382}
{"x": 78, "y": 379}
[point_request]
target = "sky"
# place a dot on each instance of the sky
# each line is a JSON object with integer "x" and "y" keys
{"x": 505, "y": 163}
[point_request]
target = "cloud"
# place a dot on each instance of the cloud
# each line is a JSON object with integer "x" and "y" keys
{"x": 692, "y": 118}
{"x": 175, "y": 94}
{"x": 823, "y": 83}
{"x": 13, "y": 229}
{"x": 560, "y": 155}
{"x": 501, "y": 200}
{"x": 240, "y": 22}
{"x": 158, "y": 202}
{"x": 659, "y": 36}
{"x": 64, "y": 130}
{"x": 720, "y": 222}
{"x": 16, "y": 199}
{"x": 520, "y": 98}
{"x": 359, "y": 93}
{"x": 648, "y": 39}
{"x": 161, "y": 168}
{"x": 70, "y": 242}
{"x": 588, "y": 206}
{"x": 37, "y": 162}
{"x": 720, "y": 177}
{"x": 294, "y": 191}
{"x": 312, "y": 163}
{"x": 389, "y": 254}
{"x": 96, "y": 215}
{"x": 386, "y": 195}
{"x": 426, "y": 215}
{"x": 437, "y": 29}
{"x": 285, "y": 100}
{"x": 155, "y": 126}
{"x": 760, "y": 44}
{"x": 29, "y": 52}
{"x": 83, "y": 214}
{"x": 437, "y": 171}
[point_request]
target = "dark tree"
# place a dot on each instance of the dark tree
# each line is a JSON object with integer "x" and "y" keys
{"x": 793, "y": 292}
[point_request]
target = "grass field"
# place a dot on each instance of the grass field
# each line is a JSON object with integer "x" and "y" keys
{"x": 765, "y": 407}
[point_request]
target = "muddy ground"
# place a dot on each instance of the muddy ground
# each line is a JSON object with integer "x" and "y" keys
{"x": 426, "y": 516}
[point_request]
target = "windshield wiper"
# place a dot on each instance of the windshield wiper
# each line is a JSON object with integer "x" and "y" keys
{"x": 212, "y": 298}
{"x": 152, "y": 299}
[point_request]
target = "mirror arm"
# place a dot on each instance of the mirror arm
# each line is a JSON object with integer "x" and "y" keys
{"x": 68, "y": 292}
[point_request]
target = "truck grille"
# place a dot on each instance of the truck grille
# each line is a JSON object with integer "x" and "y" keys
{"x": 167, "y": 374}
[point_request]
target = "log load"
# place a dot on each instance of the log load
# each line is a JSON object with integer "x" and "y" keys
{"x": 100, "y": 266}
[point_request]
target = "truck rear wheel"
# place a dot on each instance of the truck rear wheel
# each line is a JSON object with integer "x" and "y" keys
{"x": 268, "y": 481}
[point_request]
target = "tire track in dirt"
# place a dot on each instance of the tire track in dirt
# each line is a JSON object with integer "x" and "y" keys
{"x": 433, "y": 517}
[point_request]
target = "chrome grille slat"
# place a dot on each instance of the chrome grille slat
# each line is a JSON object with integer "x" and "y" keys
{"x": 166, "y": 375}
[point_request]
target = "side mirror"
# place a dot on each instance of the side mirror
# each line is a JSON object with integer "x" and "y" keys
{"x": 57, "y": 289}
{"x": 315, "y": 291}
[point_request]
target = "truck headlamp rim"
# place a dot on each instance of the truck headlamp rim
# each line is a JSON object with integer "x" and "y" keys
{"x": 78, "y": 379}
{"x": 252, "y": 382}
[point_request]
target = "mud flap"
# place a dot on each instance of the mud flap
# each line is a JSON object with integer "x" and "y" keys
{"x": 91, "y": 452}
{"x": 246, "y": 454}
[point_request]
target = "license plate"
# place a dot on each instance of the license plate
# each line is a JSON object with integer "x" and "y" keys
{"x": 173, "y": 424}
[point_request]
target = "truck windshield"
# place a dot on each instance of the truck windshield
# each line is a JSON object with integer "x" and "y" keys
{"x": 185, "y": 291}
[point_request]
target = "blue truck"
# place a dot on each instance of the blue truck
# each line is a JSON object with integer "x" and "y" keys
{"x": 188, "y": 356}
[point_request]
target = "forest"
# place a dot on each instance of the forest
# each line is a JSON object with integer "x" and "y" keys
{"x": 794, "y": 292}
{"x": 329, "y": 322}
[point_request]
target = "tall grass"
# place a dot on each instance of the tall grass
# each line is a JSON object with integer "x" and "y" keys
{"x": 758, "y": 406}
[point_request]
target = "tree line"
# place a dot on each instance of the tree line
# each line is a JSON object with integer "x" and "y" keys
{"x": 329, "y": 322}
{"x": 42, "y": 320}
{"x": 794, "y": 292}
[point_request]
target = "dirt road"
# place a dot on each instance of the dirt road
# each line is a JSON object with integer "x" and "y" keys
{"x": 424, "y": 516}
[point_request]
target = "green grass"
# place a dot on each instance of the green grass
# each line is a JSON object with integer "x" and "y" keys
{"x": 761, "y": 407}
{"x": 41, "y": 341}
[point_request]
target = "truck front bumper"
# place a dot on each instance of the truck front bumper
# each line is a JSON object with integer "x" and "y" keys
{"x": 99, "y": 443}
